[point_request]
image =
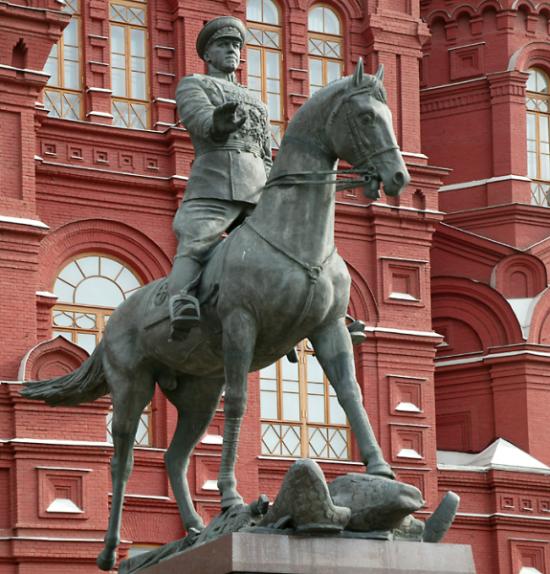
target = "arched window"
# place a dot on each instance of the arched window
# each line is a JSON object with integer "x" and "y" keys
{"x": 129, "y": 64}
{"x": 264, "y": 60}
{"x": 88, "y": 289}
{"x": 325, "y": 47}
{"x": 538, "y": 135}
{"x": 63, "y": 93}
{"x": 300, "y": 413}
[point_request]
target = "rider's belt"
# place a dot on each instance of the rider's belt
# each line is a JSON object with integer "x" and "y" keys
{"x": 234, "y": 146}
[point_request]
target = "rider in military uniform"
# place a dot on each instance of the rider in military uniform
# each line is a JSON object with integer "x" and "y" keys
{"x": 229, "y": 128}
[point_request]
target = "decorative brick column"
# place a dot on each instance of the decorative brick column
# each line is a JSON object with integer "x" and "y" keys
{"x": 27, "y": 34}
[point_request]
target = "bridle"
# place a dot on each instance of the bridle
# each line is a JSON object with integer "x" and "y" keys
{"x": 366, "y": 169}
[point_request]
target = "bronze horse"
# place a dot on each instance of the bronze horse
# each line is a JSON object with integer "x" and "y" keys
{"x": 274, "y": 281}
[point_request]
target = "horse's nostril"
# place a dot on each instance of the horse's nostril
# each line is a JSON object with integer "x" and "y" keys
{"x": 399, "y": 179}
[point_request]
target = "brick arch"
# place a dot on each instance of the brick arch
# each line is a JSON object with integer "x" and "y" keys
{"x": 362, "y": 304}
{"x": 489, "y": 5}
{"x": 541, "y": 251}
{"x": 239, "y": 9}
{"x": 438, "y": 16}
{"x": 347, "y": 10}
{"x": 527, "y": 268}
{"x": 533, "y": 54}
{"x": 481, "y": 308}
{"x": 52, "y": 358}
{"x": 458, "y": 336}
{"x": 463, "y": 10}
{"x": 524, "y": 4}
{"x": 103, "y": 236}
{"x": 470, "y": 8}
{"x": 539, "y": 331}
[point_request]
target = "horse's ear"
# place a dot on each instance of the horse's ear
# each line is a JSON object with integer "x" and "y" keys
{"x": 380, "y": 73}
{"x": 358, "y": 74}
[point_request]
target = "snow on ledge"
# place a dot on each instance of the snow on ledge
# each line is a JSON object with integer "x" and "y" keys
{"x": 46, "y": 294}
{"x": 402, "y": 296}
{"x": 409, "y": 453}
{"x": 212, "y": 439}
{"x": 501, "y": 455}
{"x": 407, "y": 408}
{"x": 211, "y": 485}
{"x": 65, "y": 505}
{"x": 23, "y": 221}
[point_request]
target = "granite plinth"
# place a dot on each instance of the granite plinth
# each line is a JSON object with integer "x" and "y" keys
{"x": 248, "y": 553}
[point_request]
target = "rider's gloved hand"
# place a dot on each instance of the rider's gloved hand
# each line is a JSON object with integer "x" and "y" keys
{"x": 228, "y": 118}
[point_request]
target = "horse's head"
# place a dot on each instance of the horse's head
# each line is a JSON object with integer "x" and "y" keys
{"x": 360, "y": 131}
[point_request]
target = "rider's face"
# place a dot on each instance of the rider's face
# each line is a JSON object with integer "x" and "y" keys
{"x": 224, "y": 54}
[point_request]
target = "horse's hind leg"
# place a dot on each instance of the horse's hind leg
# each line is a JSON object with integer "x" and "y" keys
{"x": 333, "y": 348}
{"x": 130, "y": 397}
{"x": 196, "y": 400}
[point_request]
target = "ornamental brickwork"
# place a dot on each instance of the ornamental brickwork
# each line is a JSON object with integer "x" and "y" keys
{"x": 450, "y": 278}
{"x": 489, "y": 271}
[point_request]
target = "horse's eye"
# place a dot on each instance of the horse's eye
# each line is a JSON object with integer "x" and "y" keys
{"x": 368, "y": 118}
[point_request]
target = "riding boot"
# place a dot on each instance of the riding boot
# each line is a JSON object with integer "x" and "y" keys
{"x": 184, "y": 307}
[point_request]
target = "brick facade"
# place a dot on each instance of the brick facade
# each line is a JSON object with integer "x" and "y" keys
{"x": 464, "y": 252}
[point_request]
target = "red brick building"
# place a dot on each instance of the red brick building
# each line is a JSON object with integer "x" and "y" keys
{"x": 451, "y": 278}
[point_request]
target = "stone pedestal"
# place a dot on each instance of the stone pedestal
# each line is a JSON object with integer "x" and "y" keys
{"x": 247, "y": 553}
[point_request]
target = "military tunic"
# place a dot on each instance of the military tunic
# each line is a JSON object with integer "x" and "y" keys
{"x": 226, "y": 176}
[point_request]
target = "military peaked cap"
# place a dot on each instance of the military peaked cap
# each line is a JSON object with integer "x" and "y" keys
{"x": 221, "y": 27}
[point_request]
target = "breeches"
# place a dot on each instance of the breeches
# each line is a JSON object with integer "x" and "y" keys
{"x": 200, "y": 223}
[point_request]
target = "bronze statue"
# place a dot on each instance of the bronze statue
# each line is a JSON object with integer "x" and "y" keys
{"x": 274, "y": 281}
{"x": 230, "y": 133}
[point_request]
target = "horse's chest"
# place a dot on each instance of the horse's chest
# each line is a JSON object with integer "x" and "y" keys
{"x": 300, "y": 299}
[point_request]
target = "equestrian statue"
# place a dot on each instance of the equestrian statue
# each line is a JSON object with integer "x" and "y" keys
{"x": 275, "y": 280}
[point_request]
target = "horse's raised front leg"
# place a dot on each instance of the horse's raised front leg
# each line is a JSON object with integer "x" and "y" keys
{"x": 130, "y": 397}
{"x": 196, "y": 400}
{"x": 239, "y": 340}
{"x": 334, "y": 350}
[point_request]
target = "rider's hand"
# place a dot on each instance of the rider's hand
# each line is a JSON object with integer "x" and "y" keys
{"x": 228, "y": 118}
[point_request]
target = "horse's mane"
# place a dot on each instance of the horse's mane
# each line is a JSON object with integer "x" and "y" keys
{"x": 370, "y": 85}
{"x": 322, "y": 104}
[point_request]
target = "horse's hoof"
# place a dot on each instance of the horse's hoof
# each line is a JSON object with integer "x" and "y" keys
{"x": 231, "y": 500}
{"x": 197, "y": 526}
{"x": 381, "y": 469}
{"x": 106, "y": 560}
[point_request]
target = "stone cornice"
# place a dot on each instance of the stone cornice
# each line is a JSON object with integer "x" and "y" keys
{"x": 518, "y": 212}
{"x": 455, "y": 95}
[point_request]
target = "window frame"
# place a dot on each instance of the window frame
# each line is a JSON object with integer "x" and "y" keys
{"x": 102, "y": 313}
{"x": 263, "y": 50}
{"x": 540, "y": 188}
{"x": 304, "y": 423}
{"x": 325, "y": 37}
{"x": 127, "y": 31}
{"x": 59, "y": 87}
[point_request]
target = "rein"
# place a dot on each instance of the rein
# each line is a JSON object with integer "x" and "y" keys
{"x": 368, "y": 173}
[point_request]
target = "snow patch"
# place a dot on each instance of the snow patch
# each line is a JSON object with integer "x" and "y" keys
{"x": 210, "y": 485}
{"x": 500, "y": 454}
{"x": 523, "y": 310}
{"x": 64, "y": 505}
{"x": 408, "y": 453}
{"x": 407, "y": 408}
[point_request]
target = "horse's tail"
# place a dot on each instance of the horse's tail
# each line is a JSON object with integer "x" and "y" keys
{"x": 84, "y": 385}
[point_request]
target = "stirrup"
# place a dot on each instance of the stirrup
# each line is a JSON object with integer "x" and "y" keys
{"x": 184, "y": 314}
